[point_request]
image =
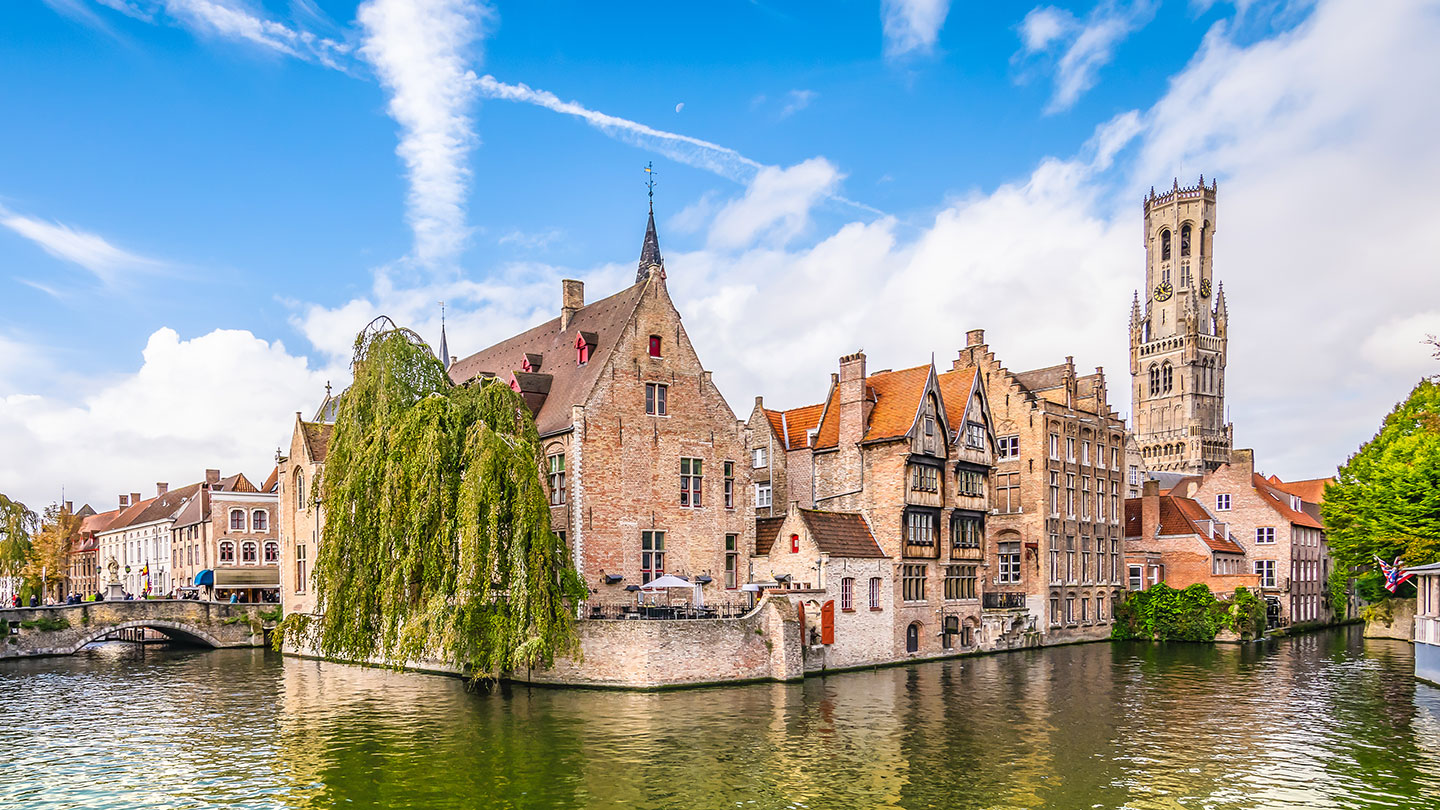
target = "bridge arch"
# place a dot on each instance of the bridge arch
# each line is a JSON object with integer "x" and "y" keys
{"x": 180, "y": 631}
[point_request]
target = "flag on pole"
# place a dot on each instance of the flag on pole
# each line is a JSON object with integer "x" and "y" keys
{"x": 1395, "y": 573}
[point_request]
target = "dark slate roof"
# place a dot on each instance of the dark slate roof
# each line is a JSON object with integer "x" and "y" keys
{"x": 841, "y": 534}
{"x": 649, "y": 251}
{"x": 766, "y": 530}
{"x": 1042, "y": 379}
{"x": 571, "y": 383}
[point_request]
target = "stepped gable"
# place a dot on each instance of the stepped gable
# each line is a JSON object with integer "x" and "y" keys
{"x": 841, "y": 534}
{"x": 571, "y": 382}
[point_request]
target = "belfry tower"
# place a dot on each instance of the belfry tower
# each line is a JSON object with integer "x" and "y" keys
{"x": 1177, "y": 339}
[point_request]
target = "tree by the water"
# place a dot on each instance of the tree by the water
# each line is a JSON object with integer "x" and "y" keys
{"x": 436, "y": 542}
{"x": 1386, "y": 501}
{"x": 17, "y": 531}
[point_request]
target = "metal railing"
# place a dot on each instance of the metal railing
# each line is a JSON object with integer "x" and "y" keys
{"x": 630, "y": 610}
{"x": 1003, "y": 600}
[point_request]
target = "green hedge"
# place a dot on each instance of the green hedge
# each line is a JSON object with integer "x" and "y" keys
{"x": 1163, "y": 613}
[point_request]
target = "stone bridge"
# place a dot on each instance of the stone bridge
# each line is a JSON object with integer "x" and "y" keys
{"x": 64, "y": 629}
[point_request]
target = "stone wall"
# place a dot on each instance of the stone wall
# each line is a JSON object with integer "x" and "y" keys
{"x": 1401, "y": 624}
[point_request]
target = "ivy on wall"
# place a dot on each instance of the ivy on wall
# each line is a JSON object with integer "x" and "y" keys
{"x": 1162, "y": 613}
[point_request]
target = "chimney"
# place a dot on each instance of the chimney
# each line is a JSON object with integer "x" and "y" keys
{"x": 852, "y": 419}
{"x": 134, "y": 498}
{"x": 572, "y": 298}
{"x": 161, "y": 488}
{"x": 975, "y": 337}
{"x": 70, "y": 507}
{"x": 1150, "y": 489}
{"x": 974, "y": 350}
{"x": 124, "y": 501}
{"x": 212, "y": 476}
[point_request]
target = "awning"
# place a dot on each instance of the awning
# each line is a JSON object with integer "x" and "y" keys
{"x": 256, "y": 576}
{"x": 206, "y": 577}
{"x": 758, "y": 586}
{"x": 665, "y": 583}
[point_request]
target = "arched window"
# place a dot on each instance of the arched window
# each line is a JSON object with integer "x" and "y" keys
{"x": 272, "y": 552}
{"x": 1185, "y": 239}
{"x": 260, "y": 521}
{"x": 1165, "y": 245}
{"x": 1167, "y": 378}
{"x": 248, "y": 550}
{"x": 237, "y": 520}
{"x": 1154, "y": 380}
{"x": 227, "y": 552}
{"x": 299, "y": 489}
{"x": 912, "y": 637}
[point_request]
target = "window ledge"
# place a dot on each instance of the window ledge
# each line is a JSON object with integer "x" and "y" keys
{"x": 876, "y": 609}
{"x": 849, "y": 610}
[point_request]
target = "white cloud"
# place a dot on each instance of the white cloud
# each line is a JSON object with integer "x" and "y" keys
{"x": 422, "y": 52}
{"x": 226, "y": 19}
{"x": 797, "y": 100}
{"x": 912, "y": 26}
{"x": 1088, "y": 45}
{"x": 225, "y": 399}
{"x": 776, "y": 205}
{"x": 90, "y": 251}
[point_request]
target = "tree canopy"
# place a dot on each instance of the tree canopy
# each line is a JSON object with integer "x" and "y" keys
{"x": 436, "y": 542}
{"x": 1386, "y": 501}
{"x": 17, "y": 531}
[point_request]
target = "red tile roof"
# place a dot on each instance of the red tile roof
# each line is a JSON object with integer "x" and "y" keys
{"x": 793, "y": 426}
{"x": 1279, "y": 500}
{"x": 1180, "y": 516}
{"x": 1311, "y": 490}
{"x": 955, "y": 387}
{"x": 602, "y": 321}
{"x": 896, "y": 397}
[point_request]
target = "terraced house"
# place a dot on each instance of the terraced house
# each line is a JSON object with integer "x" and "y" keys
{"x": 886, "y": 492}
{"x": 1054, "y": 547}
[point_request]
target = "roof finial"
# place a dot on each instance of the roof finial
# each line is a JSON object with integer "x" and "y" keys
{"x": 444, "y": 345}
{"x": 327, "y": 389}
{"x": 650, "y": 183}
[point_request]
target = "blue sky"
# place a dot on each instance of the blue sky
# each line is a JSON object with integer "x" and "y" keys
{"x": 203, "y": 200}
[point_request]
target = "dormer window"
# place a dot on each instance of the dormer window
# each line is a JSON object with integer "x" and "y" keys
{"x": 654, "y": 345}
{"x": 584, "y": 345}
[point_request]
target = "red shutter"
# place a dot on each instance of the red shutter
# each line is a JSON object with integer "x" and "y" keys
{"x": 827, "y": 622}
{"x": 794, "y": 544}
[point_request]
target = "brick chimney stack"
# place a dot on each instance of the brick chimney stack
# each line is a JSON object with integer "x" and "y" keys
{"x": 124, "y": 501}
{"x": 134, "y": 498}
{"x": 212, "y": 476}
{"x": 572, "y": 300}
{"x": 975, "y": 349}
{"x": 161, "y": 488}
{"x": 853, "y": 414}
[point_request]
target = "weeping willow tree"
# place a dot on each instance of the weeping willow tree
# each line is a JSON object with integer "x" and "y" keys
{"x": 436, "y": 542}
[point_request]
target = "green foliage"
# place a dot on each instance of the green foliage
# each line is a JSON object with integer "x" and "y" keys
{"x": 1386, "y": 501}
{"x": 272, "y": 616}
{"x": 1163, "y": 613}
{"x": 46, "y": 624}
{"x": 4, "y": 627}
{"x": 1337, "y": 591}
{"x": 437, "y": 541}
{"x": 17, "y": 531}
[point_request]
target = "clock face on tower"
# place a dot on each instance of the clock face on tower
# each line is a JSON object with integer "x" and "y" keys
{"x": 1163, "y": 291}
{"x": 1204, "y": 288}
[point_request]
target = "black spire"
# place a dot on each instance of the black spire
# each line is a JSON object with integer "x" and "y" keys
{"x": 650, "y": 251}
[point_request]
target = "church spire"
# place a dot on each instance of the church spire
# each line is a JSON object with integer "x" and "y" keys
{"x": 650, "y": 251}
{"x": 444, "y": 347}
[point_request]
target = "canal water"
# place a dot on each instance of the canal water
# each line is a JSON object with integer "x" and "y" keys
{"x": 1327, "y": 720}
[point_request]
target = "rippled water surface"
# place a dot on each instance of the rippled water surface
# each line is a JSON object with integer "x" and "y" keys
{"x": 1321, "y": 721}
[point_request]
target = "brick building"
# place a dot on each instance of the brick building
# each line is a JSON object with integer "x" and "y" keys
{"x": 645, "y": 460}
{"x": 301, "y": 512}
{"x": 908, "y": 454}
{"x": 1280, "y": 531}
{"x": 1176, "y": 540}
{"x": 228, "y": 528}
{"x": 1054, "y": 538}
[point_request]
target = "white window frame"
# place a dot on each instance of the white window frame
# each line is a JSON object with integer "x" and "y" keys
{"x": 1266, "y": 570}
{"x": 759, "y": 458}
{"x": 1222, "y": 502}
{"x": 1264, "y": 535}
{"x": 762, "y": 495}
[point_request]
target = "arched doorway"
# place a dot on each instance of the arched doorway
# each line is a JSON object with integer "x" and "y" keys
{"x": 912, "y": 637}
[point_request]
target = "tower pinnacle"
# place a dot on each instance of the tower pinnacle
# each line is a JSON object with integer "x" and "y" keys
{"x": 650, "y": 250}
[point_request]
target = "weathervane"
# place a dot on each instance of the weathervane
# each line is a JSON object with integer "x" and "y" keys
{"x": 650, "y": 182}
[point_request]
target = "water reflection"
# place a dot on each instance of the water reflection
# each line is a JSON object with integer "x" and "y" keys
{"x": 1320, "y": 721}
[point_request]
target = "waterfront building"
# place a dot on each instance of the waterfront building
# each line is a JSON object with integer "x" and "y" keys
{"x": 901, "y": 460}
{"x": 226, "y": 537}
{"x": 1054, "y": 536}
{"x": 1178, "y": 541}
{"x": 1427, "y": 622}
{"x": 138, "y": 539}
{"x": 1178, "y": 339}
{"x": 84, "y": 576}
{"x": 301, "y": 515}
{"x": 643, "y": 457}
{"x": 1280, "y": 531}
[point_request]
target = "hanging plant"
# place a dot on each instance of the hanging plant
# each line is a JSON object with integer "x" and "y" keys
{"x": 436, "y": 542}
